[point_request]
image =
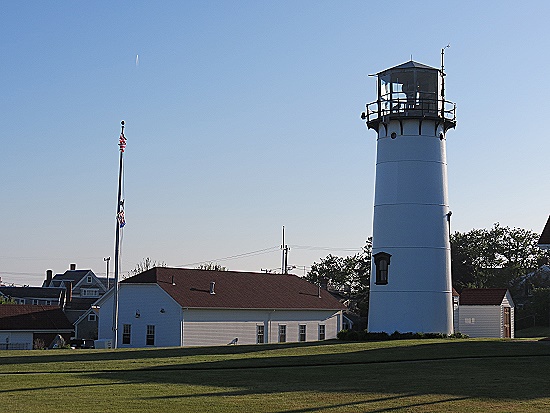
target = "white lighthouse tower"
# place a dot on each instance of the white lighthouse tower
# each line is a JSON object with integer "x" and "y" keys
{"x": 410, "y": 287}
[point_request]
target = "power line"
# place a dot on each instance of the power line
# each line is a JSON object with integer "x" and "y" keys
{"x": 307, "y": 247}
{"x": 232, "y": 257}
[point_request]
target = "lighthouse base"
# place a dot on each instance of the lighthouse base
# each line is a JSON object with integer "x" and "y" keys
{"x": 409, "y": 311}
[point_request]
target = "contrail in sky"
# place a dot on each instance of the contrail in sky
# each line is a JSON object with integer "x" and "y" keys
{"x": 137, "y": 60}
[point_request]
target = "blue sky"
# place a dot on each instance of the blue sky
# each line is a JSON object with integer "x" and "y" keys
{"x": 242, "y": 117}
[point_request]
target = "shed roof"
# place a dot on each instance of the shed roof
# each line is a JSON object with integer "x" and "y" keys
{"x": 33, "y": 317}
{"x": 237, "y": 290}
{"x": 544, "y": 240}
{"x": 482, "y": 296}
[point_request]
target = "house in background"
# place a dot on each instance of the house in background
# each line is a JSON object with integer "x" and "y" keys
{"x": 191, "y": 307}
{"x": 82, "y": 288}
{"x": 35, "y": 295}
{"x": 485, "y": 312}
{"x": 21, "y": 326}
{"x": 544, "y": 240}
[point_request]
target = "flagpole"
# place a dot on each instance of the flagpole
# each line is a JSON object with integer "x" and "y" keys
{"x": 122, "y": 145}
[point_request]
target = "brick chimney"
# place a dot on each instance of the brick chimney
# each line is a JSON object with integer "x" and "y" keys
{"x": 49, "y": 274}
{"x": 73, "y": 267}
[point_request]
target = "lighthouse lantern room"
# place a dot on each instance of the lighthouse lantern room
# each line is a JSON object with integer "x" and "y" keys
{"x": 411, "y": 223}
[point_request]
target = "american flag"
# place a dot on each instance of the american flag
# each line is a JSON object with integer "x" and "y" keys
{"x": 122, "y": 142}
{"x": 121, "y": 220}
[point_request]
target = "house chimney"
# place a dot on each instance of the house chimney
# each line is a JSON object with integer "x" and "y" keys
{"x": 212, "y": 285}
{"x": 69, "y": 293}
{"x": 49, "y": 274}
{"x": 73, "y": 267}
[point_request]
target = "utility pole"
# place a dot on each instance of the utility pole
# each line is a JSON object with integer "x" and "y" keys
{"x": 284, "y": 247}
{"x": 107, "y": 259}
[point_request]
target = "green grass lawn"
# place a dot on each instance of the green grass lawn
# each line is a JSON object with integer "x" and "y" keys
{"x": 537, "y": 331}
{"x": 406, "y": 376}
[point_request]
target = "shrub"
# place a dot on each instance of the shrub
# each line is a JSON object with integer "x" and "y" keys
{"x": 459, "y": 335}
{"x": 350, "y": 335}
{"x": 38, "y": 344}
{"x": 342, "y": 334}
{"x": 376, "y": 336}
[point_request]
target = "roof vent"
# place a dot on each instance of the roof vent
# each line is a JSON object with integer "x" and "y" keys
{"x": 212, "y": 285}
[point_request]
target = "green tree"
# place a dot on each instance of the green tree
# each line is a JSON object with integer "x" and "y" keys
{"x": 144, "y": 265}
{"x": 483, "y": 258}
{"x": 351, "y": 273}
{"x": 212, "y": 267}
{"x": 6, "y": 300}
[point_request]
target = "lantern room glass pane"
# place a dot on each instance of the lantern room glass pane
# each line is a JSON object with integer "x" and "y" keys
{"x": 409, "y": 89}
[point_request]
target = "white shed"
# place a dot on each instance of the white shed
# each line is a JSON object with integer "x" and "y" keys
{"x": 166, "y": 307}
{"x": 485, "y": 312}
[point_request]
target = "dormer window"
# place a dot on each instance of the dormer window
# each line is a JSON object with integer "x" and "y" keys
{"x": 382, "y": 264}
{"x": 89, "y": 279}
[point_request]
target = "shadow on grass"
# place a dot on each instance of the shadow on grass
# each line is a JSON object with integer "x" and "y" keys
{"x": 55, "y": 356}
{"x": 454, "y": 370}
{"x": 61, "y": 386}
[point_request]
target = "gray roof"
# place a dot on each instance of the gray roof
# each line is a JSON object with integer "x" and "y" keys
{"x": 70, "y": 275}
{"x": 32, "y": 292}
{"x": 544, "y": 239}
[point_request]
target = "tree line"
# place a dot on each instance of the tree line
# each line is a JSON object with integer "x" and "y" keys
{"x": 499, "y": 257}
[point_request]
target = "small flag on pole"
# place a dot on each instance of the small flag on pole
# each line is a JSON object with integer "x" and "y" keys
{"x": 121, "y": 220}
{"x": 122, "y": 142}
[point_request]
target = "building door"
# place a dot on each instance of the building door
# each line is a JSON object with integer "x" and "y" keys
{"x": 507, "y": 321}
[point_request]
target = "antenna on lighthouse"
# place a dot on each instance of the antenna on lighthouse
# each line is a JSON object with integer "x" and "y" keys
{"x": 443, "y": 71}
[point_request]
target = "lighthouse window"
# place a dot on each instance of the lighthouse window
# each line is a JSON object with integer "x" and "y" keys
{"x": 382, "y": 263}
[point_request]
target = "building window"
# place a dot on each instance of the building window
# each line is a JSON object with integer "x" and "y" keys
{"x": 302, "y": 332}
{"x": 382, "y": 263}
{"x": 321, "y": 331}
{"x": 282, "y": 333}
{"x": 34, "y": 302}
{"x": 92, "y": 317}
{"x": 150, "y": 338}
{"x": 20, "y": 301}
{"x": 89, "y": 279}
{"x": 90, "y": 292}
{"x": 126, "y": 333}
{"x": 260, "y": 334}
{"x": 48, "y": 302}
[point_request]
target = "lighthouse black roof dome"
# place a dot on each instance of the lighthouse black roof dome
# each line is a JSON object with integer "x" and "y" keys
{"x": 411, "y": 64}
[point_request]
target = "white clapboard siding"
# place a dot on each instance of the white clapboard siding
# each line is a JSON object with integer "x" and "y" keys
{"x": 218, "y": 327}
{"x": 480, "y": 320}
{"x": 177, "y": 326}
{"x": 23, "y": 339}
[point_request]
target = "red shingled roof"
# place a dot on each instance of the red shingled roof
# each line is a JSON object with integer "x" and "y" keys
{"x": 545, "y": 236}
{"x": 237, "y": 289}
{"x": 33, "y": 317}
{"x": 482, "y": 296}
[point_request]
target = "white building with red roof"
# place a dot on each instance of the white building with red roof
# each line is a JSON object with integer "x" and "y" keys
{"x": 166, "y": 307}
{"x": 485, "y": 312}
